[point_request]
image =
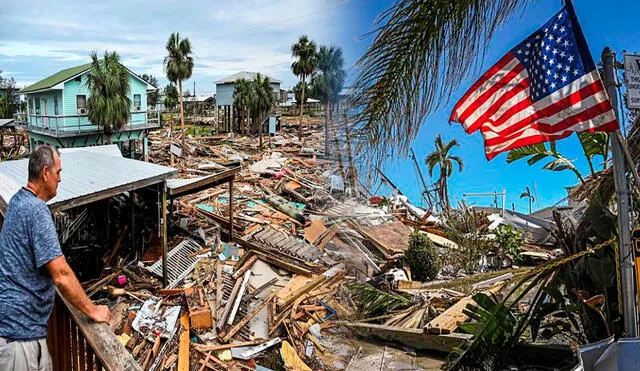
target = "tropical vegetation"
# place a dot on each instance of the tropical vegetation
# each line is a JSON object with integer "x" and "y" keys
{"x": 305, "y": 53}
{"x": 422, "y": 257}
{"x": 10, "y": 101}
{"x": 442, "y": 158}
{"x": 108, "y": 105}
{"x": 153, "y": 97}
{"x": 171, "y": 99}
{"x": 178, "y": 65}
{"x": 527, "y": 194}
{"x": 262, "y": 102}
{"x": 242, "y": 101}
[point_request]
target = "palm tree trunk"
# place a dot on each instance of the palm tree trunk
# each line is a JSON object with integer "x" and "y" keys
{"x": 326, "y": 130}
{"x": 352, "y": 168}
{"x": 304, "y": 85}
{"x": 260, "y": 130}
{"x": 181, "y": 116}
{"x": 338, "y": 152}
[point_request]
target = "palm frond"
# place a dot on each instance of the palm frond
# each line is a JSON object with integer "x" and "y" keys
{"x": 109, "y": 105}
{"x": 372, "y": 301}
{"x": 421, "y": 53}
{"x": 538, "y": 152}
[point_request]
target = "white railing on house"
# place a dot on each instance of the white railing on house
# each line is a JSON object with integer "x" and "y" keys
{"x": 70, "y": 125}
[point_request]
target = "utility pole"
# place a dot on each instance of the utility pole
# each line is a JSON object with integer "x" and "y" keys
{"x": 426, "y": 195}
{"x": 630, "y": 310}
{"x": 489, "y": 194}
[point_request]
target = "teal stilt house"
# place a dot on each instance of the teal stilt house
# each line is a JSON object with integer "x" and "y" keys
{"x": 57, "y": 111}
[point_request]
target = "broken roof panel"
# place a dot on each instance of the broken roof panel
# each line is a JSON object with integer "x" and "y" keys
{"x": 88, "y": 174}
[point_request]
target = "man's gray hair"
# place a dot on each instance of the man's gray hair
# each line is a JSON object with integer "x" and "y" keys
{"x": 41, "y": 157}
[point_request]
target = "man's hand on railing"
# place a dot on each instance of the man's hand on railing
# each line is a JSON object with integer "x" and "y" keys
{"x": 100, "y": 313}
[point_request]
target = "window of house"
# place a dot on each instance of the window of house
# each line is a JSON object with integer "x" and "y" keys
{"x": 81, "y": 103}
{"x": 37, "y": 106}
{"x": 31, "y": 106}
{"x": 137, "y": 101}
{"x": 55, "y": 105}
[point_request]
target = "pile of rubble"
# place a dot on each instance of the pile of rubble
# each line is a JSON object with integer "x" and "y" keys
{"x": 299, "y": 268}
{"x": 13, "y": 144}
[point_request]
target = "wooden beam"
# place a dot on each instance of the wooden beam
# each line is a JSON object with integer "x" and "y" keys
{"x": 231, "y": 208}
{"x": 165, "y": 250}
{"x": 245, "y": 266}
{"x": 239, "y": 295}
{"x": 227, "y": 307}
{"x": 183, "y": 347}
{"x": 208, "y": 348}
{"x": 102, "y": 341}
{"x": 414, "y": 338}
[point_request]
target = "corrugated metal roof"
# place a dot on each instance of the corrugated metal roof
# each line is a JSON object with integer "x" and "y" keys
{"x": 88, "y": 174}
{"x": 6, "y": 122}
{"x": 247, "y": 76}
{"x": 56, "y": 78}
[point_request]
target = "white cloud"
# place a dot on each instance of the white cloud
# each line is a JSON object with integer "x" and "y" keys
{"x": 227, "y": 37}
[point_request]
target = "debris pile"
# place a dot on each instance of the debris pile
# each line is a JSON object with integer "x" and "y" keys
{"x": 304, "y": 261}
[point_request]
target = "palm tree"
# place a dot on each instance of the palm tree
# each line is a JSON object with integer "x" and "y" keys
{"x": 528, "y": 195}
{"x": 297, "y": 93}
{"x": 442, "y": 158}
{"x": 304, "y": 66}
{"x": 109, "y": 105}
{"x": 242, "y": 98}
{"x": 421, "y": 52}
{"x": 328, "y": 83}
{"x": 178, "y": 65}
{"x": 263, "y": 100}
{"x": 170, "y": 99}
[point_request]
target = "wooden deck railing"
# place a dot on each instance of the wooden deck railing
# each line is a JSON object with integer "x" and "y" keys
{"x": 77, "y": 343}
{"x": 71, "y": 125}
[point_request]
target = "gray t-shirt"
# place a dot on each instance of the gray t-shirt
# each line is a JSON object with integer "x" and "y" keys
{"x": 28, "y": 241}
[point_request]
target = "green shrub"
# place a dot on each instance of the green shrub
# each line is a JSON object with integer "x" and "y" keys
{"x": 509, "y": 242}
{"x": 422, "y": 257}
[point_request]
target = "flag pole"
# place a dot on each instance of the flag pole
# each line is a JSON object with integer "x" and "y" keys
{"x": 630, "y": 309}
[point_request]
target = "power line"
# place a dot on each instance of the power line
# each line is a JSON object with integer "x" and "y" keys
{"x": 275, "y": 23}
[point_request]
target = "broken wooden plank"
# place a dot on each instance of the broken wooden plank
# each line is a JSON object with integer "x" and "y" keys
{"x": 227, "y": 307}
{"x": 245, "y": 266}
{"x": 183, "y": 347}
{"x": 314, "y": 230}
{"x": 199, "y": 310}
{"x": 239, "y": 296}
{"x": 208, "y": 348}
{"x": 283, "y": 302}
{"x": 414, "y": 338}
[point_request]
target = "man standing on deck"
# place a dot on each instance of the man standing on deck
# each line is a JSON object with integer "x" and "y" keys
{"x": 31, "y": 262}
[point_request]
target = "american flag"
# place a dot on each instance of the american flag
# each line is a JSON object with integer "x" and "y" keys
{"x": 544, "y": 89}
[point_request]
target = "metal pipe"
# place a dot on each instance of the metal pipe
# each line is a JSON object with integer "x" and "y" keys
{"x": 630, "y": 313}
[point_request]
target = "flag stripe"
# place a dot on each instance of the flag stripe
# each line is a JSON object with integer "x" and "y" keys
{"x": 500, "y": 105}
{"x": 554, "y": 109}
{"x": 583, "y": 116}
{"x": 557, "y": 117}
{"x": 528, "y": 108}
{"x": 467, "y": 98}
{"x": 497, "y": 89}
{"x": 492, "y": 152}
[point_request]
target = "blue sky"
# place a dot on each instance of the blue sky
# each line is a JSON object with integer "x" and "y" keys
{"x": 38, "y": 38}
{"x": 613, "y": 25}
